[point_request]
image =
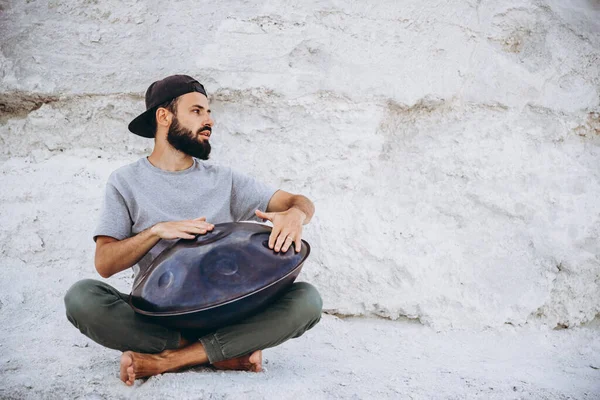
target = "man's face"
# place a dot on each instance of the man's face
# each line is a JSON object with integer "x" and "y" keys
{"x": 191, "y": 126}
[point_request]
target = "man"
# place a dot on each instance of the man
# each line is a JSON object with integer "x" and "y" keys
{"x": 171, "y": 195}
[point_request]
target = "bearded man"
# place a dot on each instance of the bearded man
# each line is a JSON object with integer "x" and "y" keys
{"x": 173, "y": 194}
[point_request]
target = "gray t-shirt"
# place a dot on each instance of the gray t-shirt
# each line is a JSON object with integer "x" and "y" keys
{"x": 140, "y": 195}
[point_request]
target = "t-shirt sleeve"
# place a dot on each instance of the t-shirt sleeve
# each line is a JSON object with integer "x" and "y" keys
{"x": 248, "y": 195}
{"x": 114, "y": 220}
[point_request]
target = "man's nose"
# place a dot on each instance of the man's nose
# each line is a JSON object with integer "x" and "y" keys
{"x": 209, "y": 121}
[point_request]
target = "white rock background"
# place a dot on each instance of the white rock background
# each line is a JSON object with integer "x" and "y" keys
{"x": 451, "y": 148}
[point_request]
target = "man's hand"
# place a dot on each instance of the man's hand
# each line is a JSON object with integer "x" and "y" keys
{"x": 187, "y": 229}
{"x": 287, "y": 228}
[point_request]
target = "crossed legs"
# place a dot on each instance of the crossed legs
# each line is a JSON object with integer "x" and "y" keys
{"x": 103, "y": 314}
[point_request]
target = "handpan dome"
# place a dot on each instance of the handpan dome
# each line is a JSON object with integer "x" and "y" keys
{"x": 215, "y": 279}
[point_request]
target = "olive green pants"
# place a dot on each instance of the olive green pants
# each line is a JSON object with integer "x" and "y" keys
{"x": 103, "y": 314}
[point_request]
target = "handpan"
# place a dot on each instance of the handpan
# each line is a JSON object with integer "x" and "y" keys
{"x": 215, "y": 279}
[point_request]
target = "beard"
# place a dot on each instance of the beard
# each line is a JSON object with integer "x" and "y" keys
{"x": 184, "y": 140}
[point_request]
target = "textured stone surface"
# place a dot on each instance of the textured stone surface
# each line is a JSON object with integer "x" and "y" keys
{"x": 451, "y": 150}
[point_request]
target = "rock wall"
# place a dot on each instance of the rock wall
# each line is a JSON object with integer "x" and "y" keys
{"x": 451, "y": 149}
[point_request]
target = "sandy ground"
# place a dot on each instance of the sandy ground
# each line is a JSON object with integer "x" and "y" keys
{"x": 44, "y": 357}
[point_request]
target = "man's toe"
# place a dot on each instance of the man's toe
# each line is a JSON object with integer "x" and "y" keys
{"x": 131, "y": 374}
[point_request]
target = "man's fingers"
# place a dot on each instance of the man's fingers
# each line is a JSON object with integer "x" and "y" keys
{"x": 201, "y": 225}
{"x": 206, "y": 225}
{"x": 273, "y": 237}
{"x": 287, "y": 243}
{"x": 298, "y": 244}
{"x": 197, "y": 226}
{"x": 264, "y": 215}
{"x": 198, "y": 222}
{"x": 281, "y": 240}
{"x": 195, "y": 229}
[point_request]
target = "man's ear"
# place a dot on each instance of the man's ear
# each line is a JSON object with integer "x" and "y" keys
{"x": 163, "y": 117}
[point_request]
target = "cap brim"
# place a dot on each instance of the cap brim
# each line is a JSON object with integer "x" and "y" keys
{"x": 142, "y": 125}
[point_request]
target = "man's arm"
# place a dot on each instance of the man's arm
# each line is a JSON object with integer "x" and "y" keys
{"x": 114, "y": 255}
{"x": 288, "y": 212}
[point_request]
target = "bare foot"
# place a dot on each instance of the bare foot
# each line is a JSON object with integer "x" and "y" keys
{"x": 137, "y": 365}
{"x": 252, "y": 362}
{"x": 126, "y": 362}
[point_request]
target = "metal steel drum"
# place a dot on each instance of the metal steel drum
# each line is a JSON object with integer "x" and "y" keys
{"x": 216, "y": 279}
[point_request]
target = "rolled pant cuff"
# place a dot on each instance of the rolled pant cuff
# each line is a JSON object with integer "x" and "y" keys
{"x": 212, "y": 347}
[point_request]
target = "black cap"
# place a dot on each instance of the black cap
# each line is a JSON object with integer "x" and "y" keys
{"x": 158, "y": 93}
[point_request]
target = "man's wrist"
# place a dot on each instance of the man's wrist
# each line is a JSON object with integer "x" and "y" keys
{"x": 153, "y": 231}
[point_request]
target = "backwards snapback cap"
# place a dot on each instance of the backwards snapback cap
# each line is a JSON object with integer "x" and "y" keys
{"x": 158, "y": 93}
